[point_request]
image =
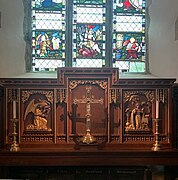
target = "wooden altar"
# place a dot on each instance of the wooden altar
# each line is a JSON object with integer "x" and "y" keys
{"x": 87, "y": 117}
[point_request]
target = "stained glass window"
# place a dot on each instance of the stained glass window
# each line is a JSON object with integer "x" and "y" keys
{"x": 48, "y": 34}
{"x": 88, "y": 33}
{"x": 129, "y": 35}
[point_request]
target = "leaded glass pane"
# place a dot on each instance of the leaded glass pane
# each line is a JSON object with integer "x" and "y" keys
{"x": 88, "y": 63}
{"x": 90, "y": 37}
{"x": 137, "y": 66}
{"x": 129, "y": 35}
{"x": 89, "y": 2}
{"x": 48, "y": 44}
{"x": 88, "y": 15}
{"x": 49, "y": 21}
{"x": 49, "y": 65}
{"x": 129, "y": 46}
{"x": 89, "y": 34}
{"x": 129, "y": 6}
{"x": 48, "y": 34}
{"x": 129, "y": 23}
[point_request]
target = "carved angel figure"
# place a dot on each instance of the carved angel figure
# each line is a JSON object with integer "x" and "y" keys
{"x": 40, "y": 112}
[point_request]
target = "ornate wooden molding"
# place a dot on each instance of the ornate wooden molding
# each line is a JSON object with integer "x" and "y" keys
{"x": 131, "y": 94}
{"x": 27, "y": 93}
{"x": 74, "y": 83}
{"x": 61, "y": 95}
{"x": 115, "y": 96}
{"x": 92, "y": 72}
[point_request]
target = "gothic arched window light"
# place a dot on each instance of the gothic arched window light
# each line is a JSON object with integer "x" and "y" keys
{"x": 85, "y": 33}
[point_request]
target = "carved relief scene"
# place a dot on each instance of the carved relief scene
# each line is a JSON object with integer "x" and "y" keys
{"x": 37, "y": 116}
{"x": 85, "y": 109}
{"x": 138, "y": 111}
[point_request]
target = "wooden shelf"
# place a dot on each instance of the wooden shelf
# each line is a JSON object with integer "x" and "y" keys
{"x": 71, "y": 157}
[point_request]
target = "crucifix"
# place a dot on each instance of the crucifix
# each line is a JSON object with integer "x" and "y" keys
{"x": 88, "y": 100}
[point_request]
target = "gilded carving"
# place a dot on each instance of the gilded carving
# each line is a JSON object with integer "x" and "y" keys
{"x": 135, "y": 118}
{"x": 40, "y": 110}
{"x": 26, "y": 94}
{"x": 139, "y": 138}
{"x": 115, "y": 77}
{"x": 148, "y": 94}
{"x": 12, "y": 95}
{"x": 162, "y": 95}
{"x": 114, "y": 96}
{"x": 40, "y": 138}
{"x": 61, "y": 95}
{"x": 88, "y": 100}
{"x": 138, "y": 111}
{"x": 74, "y": 83}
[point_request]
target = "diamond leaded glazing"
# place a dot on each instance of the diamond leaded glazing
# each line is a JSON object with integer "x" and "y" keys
{"x": 48, "y": 34}
{"x": 101, "y": 33}
{"x": 129, "y": 35}
{"x": 89, "y": 40}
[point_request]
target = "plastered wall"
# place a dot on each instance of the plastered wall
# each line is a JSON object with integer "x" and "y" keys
{"x": 162, "y": 47}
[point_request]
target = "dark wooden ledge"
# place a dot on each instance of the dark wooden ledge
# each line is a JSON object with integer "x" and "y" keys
{"x": 90, "y": 157}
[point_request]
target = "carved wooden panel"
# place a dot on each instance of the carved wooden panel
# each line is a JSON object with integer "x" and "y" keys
{"x": 138, "y": 111}
{"x": 88, "y": 108}
{"x": 37, "y": 115}
{"x": 61, "y": 116}
{"x": 60, "y": 112}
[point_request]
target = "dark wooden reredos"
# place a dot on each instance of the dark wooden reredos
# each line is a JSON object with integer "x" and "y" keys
{"x": 53, "y": 115}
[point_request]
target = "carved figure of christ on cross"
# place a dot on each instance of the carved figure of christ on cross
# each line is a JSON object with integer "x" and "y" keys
{"x": 88, "y": 100}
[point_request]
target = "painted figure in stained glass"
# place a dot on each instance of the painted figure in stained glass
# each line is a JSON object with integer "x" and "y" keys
{"x": 48, "y": 45}
{"x": 42, "y": 41}
{"x": 130, "y": 4}
{"x": 89, "y": 37}
{"x": 119, "y": 45}
{"x": 56, "y": 41}
{"x": 132, "y": 48}
{"x": 128, "y": 46}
